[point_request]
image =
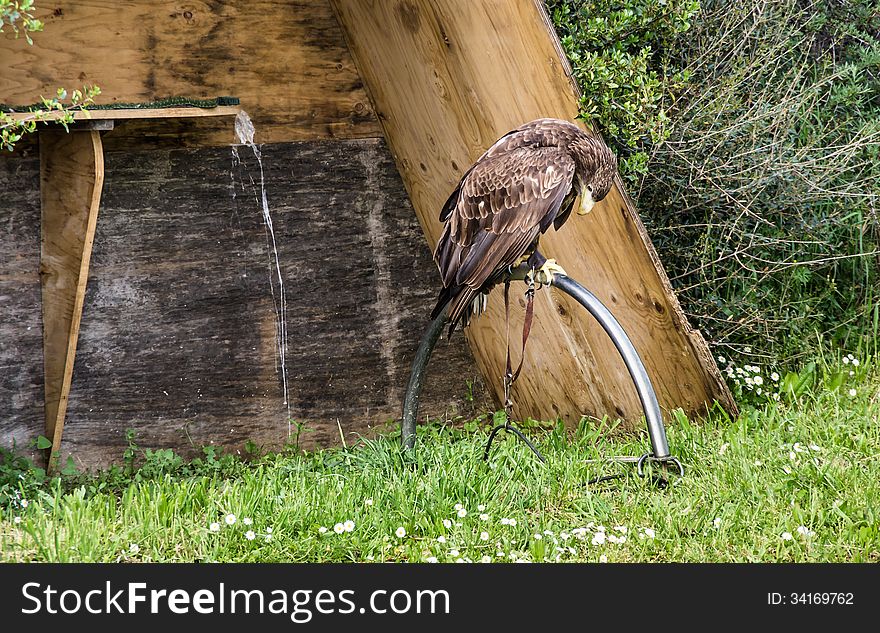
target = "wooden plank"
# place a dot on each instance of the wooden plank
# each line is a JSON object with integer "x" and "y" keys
{"x": 71, "y": 178}
{"x": 447, "y": 79}
{"x": 286, "y": 61}
{"x": 135, "y": 113}
{"x": 178, "y": 332}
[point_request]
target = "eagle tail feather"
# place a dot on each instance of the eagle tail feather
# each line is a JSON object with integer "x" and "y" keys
{"x": 463, "y": 303}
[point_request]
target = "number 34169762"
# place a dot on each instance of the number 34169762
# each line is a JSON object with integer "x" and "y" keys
{"x": 810, "y": 598}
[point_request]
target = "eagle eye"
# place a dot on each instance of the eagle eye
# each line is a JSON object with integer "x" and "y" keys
{"x": 590, "y": 188}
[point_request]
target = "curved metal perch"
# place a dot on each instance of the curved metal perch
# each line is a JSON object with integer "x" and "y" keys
{"x": 647, "y": 396}
{"x": 417, "y": 379}
{"x": 631, "y": 359}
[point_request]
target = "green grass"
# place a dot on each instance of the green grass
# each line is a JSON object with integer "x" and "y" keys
{"x": 809, "y": 460}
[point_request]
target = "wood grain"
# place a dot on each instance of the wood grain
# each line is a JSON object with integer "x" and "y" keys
{"x": 285, "y": 60}
{"x": 447, "y": 79}
{"x": 71, "y": 179}
{"x": 178, "y": 332}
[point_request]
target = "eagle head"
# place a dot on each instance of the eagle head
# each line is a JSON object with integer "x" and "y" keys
{"x": 596, "y": 167}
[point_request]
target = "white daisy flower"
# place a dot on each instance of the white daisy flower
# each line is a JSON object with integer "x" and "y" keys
{"x": 431, "y": 559}
{"x": 230, "y": 519}
{"x": 855, "y": 362}
{"x": 447, "y": 523}
{"x": 805, "y": 531}
{"x": 454, "y": 553}
{"x": 17, "y": 520}
{"x": 134, "y": 548}
{"x": 247, "y": 521}
{"x": 441, "y": 539}
{"x": 249, "y": 535}
{"x": 786, "y": 536}
{"x": 481, "y": 508}
{"x": 650, "y": 533}
{"x": 721, "y": 359}
{"x": 268, "y": 530}
{"x": 716, "y": 523}
{"x": 486, "y": 559}
{"x": 24, "y": 503}
{"x": 484, "y": 536}
{"x": 599, "y": 538}
{"x": 484, "y": 517}
{"x": 462, "y": 513}
{"x": 774, "y": 377}
{"x": 348, "y": 526}
{"x": 400, "y": 532}
{"x": 458, "y": 507}
{"x": 852, "y": 393}
{"x": 368, "y": 502}
{"x": 322, "y": 529}
{"x": 339, "y": 528}
{"x": 214, "y": 527}
{"x": 603, "y": 559}
{"x": 538, "y": 537}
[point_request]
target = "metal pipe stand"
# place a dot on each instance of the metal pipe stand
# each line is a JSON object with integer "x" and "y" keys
{"x": 644, "y": 388}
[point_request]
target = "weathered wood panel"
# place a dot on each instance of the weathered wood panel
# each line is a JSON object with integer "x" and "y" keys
{"x": 447, "y": 79}
{"x": 286, "y": 61}
{"x": 178, "y": 331}
{"x": 21, "y": 333}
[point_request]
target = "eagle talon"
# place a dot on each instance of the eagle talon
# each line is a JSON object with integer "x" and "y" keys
{"x": 543, "y": 276}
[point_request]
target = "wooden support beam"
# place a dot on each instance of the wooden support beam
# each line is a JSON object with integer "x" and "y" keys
{"x": 448, "y": 78}
{"x": 71, "y": 178}
{"x": 135, "y": 113}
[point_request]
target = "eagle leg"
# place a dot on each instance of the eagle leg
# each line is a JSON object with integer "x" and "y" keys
{"x": 542, "y": 270}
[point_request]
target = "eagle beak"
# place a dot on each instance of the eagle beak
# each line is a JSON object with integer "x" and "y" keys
{"x": 587, "y": 202}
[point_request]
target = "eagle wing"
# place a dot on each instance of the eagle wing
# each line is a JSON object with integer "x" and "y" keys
{"x": 500, "y": 206}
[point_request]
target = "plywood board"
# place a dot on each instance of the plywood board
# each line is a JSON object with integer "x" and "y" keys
{"x": 286, "y": 61}
{"x": 447, "y": 79}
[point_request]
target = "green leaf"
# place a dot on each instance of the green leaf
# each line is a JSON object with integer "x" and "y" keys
{"x": 43, "y": 443}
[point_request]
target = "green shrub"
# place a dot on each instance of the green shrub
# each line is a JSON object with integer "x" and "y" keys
{"x": 619, "y": 53}
{"x": 762, "y": 194}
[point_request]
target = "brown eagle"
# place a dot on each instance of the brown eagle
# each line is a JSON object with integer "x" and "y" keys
{"x": 525, "y": 182}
